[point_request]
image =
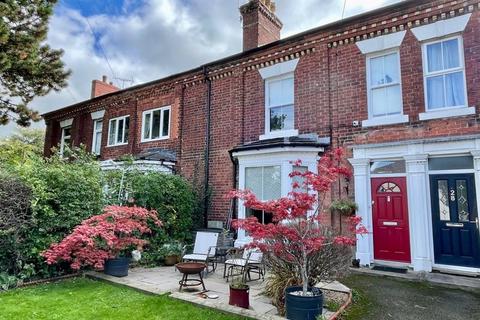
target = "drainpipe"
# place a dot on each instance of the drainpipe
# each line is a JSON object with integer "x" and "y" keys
{"x": 207, "y": 148}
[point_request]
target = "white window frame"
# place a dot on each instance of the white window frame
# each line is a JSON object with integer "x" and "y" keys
{"x": 388, "y": 119}
{"x": 109, "y": 144}
{"x": 445, "y": 111}
{"x": 62, "y": 140}
{"x": 94, "y": 138}
{"x": 278, "y": 133}
{"x": 162, "y": 112}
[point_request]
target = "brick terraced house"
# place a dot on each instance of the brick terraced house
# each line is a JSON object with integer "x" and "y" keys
{"x": 397, "y": 87}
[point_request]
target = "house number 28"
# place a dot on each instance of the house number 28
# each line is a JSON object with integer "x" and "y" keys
{"x": 452, "y": 195}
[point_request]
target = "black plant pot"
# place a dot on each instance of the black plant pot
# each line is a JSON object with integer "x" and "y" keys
{"x": 117, "y": 267}
{"x": 303, "y": 307}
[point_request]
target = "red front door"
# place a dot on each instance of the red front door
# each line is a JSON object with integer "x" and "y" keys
{"x": 391, "y": 239}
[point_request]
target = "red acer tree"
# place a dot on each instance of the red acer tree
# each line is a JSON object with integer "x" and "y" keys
{"x": 296, "y": 233}
{"x": 102, "y": 237}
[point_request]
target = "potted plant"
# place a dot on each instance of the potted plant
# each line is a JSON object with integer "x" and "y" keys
{"x": 105, "y": 241}
{"x": 297, "y": 235}
{"x": 172, "y": 252}
{"x": 343, "y": 207}
{"x": 239, "y": 293}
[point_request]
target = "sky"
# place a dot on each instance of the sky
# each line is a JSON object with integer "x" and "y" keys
{"x": 135, "y": 41}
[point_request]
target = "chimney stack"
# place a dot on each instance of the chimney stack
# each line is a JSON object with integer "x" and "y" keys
{"x": 260, "y": 24}
{"x": 101, "y": 87}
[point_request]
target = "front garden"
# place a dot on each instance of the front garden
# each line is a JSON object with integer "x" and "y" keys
{"x": 64, "y": 214}
{"x": 81, "y": 298}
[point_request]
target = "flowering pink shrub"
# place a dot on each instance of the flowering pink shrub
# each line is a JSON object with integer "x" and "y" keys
{"x": 102, "y": 237}
{"x": 296, "y": 233}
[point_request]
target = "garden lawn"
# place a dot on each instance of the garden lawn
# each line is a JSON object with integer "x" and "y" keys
{"x": 82, "y": 298}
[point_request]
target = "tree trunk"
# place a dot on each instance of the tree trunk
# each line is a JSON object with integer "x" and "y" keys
{"x": 304, "y": 273}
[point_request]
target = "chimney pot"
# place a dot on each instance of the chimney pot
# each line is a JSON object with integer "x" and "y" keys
{"x": 104, "y": 78}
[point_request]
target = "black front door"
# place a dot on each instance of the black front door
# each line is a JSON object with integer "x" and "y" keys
{"x": 455, "y": 224}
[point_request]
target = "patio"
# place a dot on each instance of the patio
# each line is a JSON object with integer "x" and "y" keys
{"x": 164, "y": 280}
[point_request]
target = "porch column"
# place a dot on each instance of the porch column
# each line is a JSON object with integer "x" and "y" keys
{"x": 418, "y": 212}
{"x": 476, "y": 165}
{"x": 362, "y": 198}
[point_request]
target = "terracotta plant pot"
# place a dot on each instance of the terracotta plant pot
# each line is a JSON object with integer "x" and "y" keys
{"x": 171, "y": 260}
{"x": 239, "y": 297}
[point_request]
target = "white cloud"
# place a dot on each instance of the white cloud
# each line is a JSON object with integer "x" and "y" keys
{"x": 164, "y": 37}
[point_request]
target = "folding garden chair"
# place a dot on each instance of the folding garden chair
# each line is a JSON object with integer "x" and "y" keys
{"x": 204, "y": 250}
{"x": 250, "y": 261}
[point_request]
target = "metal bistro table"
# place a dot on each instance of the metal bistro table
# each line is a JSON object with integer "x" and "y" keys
{"x": 191, "y": 268}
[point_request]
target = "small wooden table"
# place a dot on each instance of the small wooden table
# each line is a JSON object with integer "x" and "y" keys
{"x": 191, "y": 268}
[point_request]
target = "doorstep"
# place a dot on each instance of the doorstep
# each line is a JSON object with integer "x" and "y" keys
{"x": 433, "y": 277}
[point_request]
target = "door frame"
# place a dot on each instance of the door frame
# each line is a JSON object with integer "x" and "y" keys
{"x": 372, "y": 245}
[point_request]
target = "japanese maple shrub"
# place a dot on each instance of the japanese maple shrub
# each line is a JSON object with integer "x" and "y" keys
{"x": 105, "y": 236}
{"x": 297, "y": 234}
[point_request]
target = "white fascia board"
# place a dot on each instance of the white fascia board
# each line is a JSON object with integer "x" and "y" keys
{"x": 441, "y": 28}
{"x": 279, "y": 69}
{"x": 97, "y": 114}
{"x": 381, "y": 43}
{"x": 66, "y": 123}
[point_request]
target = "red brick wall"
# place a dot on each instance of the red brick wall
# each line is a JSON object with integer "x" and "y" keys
{"x": 99, "y": 88}
{"x": 330, "y": 92}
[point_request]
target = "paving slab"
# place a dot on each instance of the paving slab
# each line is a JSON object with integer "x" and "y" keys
{"x": 164, "y": 280}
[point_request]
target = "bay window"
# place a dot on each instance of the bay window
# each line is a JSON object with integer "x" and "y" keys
{"x": 265, "y": 183}
{"x": 156, "y": 124}
{"x": 444, "y": 73}
{"x": 118, "y": 131}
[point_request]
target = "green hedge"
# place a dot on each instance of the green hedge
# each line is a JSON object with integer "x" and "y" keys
{"x": 170, "y": 195}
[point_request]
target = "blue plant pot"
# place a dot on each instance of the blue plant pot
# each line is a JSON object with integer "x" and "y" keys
{"x": 301, "y": 307}
{"x": 117, "y": 267}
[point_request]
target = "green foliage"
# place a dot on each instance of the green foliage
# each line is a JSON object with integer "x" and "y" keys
{"x": 64, "y": 191}
{"x": 21, "y": 146}
{"x": 344, "y": 206}
{"x": 174, "y": 248}
{"x": 7, "y": 281}
{"x": 170, "y": 195}
{"x": 28, "y": 66}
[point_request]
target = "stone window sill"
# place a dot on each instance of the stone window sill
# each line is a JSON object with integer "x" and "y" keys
{"x": 447, "y": 113}
{"x": 279, "y": 134}
{"x": 382, "y": 121}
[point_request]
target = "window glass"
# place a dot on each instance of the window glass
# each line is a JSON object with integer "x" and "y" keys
{"x": 120, "y": 131}
{"x": 156, "y": 124}
{"x": 279, "y": 103}
{"x": 462, "y": 201}
{"x": 146, "y": 126}
{"x": 389, "y": 187}
{"x": 445, "y": 76}
{"x": 389, "y": 166}
{"x": 127, "y": 129}
{"x": 299, "y": 180}
{"x": 280, "y": 92}
{"x": 385, "y": 92}
{"x": 454, "y": 90}
{"x": 97, "y": 136}
{"x": 281, "y": 118}
{"x": 450, "y": 163}
{"x": 112, "y": 131}
{"x": 264, "y": 182}
{"x": 443, "y": 200}
{"x": 166, "y": 122}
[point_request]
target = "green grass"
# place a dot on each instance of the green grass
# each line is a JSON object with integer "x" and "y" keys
{"x": 81, "y": 298}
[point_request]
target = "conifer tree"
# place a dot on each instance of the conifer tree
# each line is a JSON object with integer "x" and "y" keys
{"x": 28, "y": 66}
